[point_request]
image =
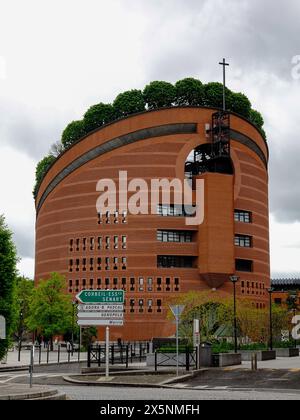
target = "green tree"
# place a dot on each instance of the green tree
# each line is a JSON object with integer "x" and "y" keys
{"x": 189, "y": 91}
{"x": 159, "y": 94}
{"x": 50, "y": 310}
{"x": 23, "y": 295}
{"x": 98, "y": 115}
{"x": 41, "y": 169}
{"x": 256, "y": 118}
{"x": 213, "y": 95}
{"x": 240, "y": 104}
{"x": 72, "y": 133}
{"x": 129, "y": 102}
{"x": 8, "y": 272}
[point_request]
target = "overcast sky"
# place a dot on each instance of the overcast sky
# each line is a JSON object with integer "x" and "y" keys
{"x": 59, "y": 57}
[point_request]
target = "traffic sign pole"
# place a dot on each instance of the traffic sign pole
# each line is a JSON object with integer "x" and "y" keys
{"x": 107, "y": 352}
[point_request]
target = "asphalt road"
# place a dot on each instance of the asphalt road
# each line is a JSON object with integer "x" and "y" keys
{"x": 105, "y": 394}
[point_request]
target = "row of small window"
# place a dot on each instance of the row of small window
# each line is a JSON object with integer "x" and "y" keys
{"x": 97, "y": 243}
{"x": 141, "y": 284}
{"x": 112, "y": 218}
{"x": 144, "y": 305}
{"x": 243, "y": 216}
{"x": 252, "y": 288}
{"x": 243, "y": 241}
{"x": 96, "y": 263}
{"x": 259, "y": 305}
{"x": 174, "y": 236}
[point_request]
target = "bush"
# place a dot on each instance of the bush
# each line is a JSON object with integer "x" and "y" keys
{"x": 130, "y": 102}
{"x": 159, "y": 95}
{"x": 98, "y": 115}
{"x": 189, "y": 92}
{"x": 213, "y": 95}
{"x": 240, "y": 104}
{"x": 41, "y": 169}
{"x": 256, "y": 118}
{"x": 72, "y": 133}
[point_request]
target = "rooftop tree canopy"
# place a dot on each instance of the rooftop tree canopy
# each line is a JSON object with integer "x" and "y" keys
{"x": 158, "y": 94}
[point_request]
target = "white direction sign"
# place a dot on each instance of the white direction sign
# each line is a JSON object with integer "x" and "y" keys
{"x": 99, "y": 308}
{"x": 100, "y": 323}
{"x": 101, "y": 315}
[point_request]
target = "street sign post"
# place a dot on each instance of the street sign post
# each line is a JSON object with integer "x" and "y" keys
{"x": 101, "y": 308}
{"x": 177, "y": 311}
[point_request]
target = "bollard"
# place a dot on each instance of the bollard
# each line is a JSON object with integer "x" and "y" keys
{"x": 112, "y": 354}
{"x": 127, "y": 356}
{"x": 47, "y": 353}
{"x": 58, "y": 354}
{"x": 89, "y": 357}
{"x": 254, "y": 361}
{"x": 131, "y": 360}
{"x": 69, "y": 355}
{"x": 40, "y": 354}
{"x": 155, "y": 359}
{"x": 187, "y": 358}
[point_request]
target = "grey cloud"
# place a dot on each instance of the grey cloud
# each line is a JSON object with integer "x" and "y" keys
{"x": 24, "y": 240}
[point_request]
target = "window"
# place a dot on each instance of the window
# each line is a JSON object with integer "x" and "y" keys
{"x": 176, "y": 282}
{"x": 124, "y": 283}
{"x": 84, "y": 264}
{"x": 174, "y": 236}
{"x": 150, "y": 284}
{"x": 150, "y": 304}
{"x": 92, "y": 244}
{"x": 77, "y": 264}
{"x": 168, "y": 284}
{"x": 124, "y": 242}
{"x": 124, "y": 263}
{"x": 107, "y": 283}
{"x": 77, "y": 244}
{"x": 243, "y": 241}
{"x": 70, "y": 266}
{"x": 132, "y": 284}
{"x": 107, "y": 263}
{"x": 71, "y": 245}
{"x": 175, "y": 210}
{"x": 77, "y": 286}
{"x": 108, "y": 217}
{"x": 99, "y": 242}
{"x": 169, "y": 261}
{"x": 141, "y": 305}
{"x": 115, "y": 282}
{"x": 159, "y": 283}
{"x": 91, "y": 264}
{"x": 91, "y": 283}
{"x": 159, "y": 305}
{"x": 132, "y": 305}
{"x": 116, "y": 262}
{"x": 124, "y": 217}
{"x": 84, "y": 283}
{"x": 99, "y": 283}
{"x": 70, "y": 286}
{"x": 99, "y": 261}
{"x": 141, "y": 284}
{"x": 84, "y": 244}
{"x": 107, "y": 242}
{"x": 242, "y": 216}
{"x": 116, "y": 242}
{"x": 116, "y": 217}
{"x": 244, "y": 265}
{"x": 99, "y": 218}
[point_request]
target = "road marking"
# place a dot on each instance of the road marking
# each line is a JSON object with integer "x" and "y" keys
{"x": 201, "y": 387}
{"x": 181, "y": 385}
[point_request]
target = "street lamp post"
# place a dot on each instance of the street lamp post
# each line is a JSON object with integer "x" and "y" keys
{"x": 234, "y": 280}
{"x": 270, "y": 291}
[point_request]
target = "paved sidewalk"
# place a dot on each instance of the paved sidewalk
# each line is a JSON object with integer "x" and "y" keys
{"x": 24, "y": 392}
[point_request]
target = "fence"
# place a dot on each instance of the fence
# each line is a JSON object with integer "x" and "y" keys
{"x": 187, "y": 359}
{"x": 118, "y": 354}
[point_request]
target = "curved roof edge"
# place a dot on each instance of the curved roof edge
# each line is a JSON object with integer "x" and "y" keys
{"x": 142, "y": 113}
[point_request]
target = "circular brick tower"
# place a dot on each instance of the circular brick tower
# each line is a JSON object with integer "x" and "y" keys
{"x": 157, "y": 256}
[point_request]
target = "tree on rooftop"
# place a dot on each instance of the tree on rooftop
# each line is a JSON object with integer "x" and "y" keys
{"x": 129, "y": 102}
{"x": 189, "y": 91}
{"x": 98, "y": 115}
{"x": 72, "y": 133}
{"x": 159, "y": 94}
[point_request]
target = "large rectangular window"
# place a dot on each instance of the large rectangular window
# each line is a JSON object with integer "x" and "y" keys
{"x": 243, "y": 216}
{"x": 174, "y": 236}
{"x": 244, "y": 265}
{"x": 175, "y": 210}
{"x": 172, "y": 261}
{"x": 243, "y": 241}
